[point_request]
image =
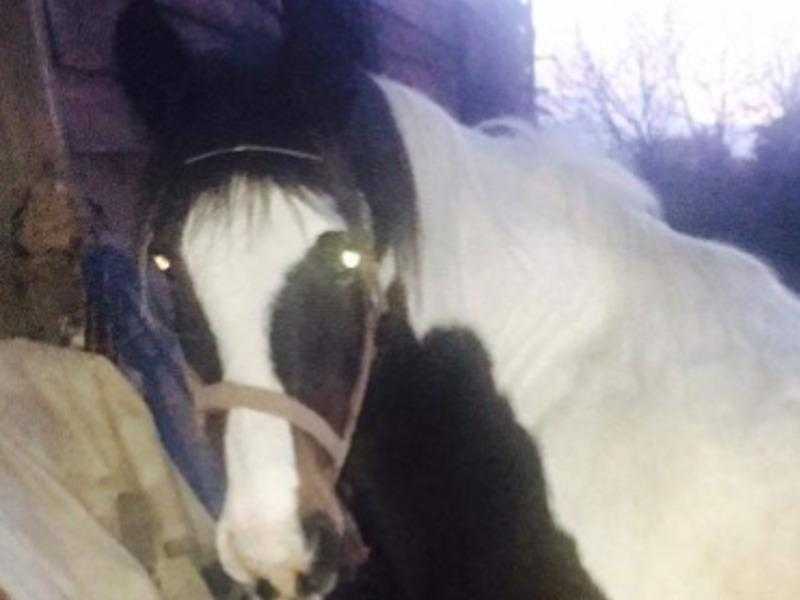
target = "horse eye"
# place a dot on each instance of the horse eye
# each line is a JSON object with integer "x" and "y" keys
{"x": 350, "y": 259}
{"x": 161, "y": 262}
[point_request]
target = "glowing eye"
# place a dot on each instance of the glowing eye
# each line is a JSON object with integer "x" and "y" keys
{"x": 350, "y": 259}
{"x": 162, "y": 262}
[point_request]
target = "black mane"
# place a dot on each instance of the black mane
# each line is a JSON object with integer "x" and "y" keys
{"x": 448, "y": 488}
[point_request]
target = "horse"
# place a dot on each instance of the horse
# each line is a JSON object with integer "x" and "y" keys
{"x": 658, "y": 373}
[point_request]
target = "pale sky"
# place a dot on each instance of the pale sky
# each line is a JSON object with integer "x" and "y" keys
{"x": 748, "y": 32}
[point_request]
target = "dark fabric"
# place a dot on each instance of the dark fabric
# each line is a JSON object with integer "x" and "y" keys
{"x": 152, "y": 361}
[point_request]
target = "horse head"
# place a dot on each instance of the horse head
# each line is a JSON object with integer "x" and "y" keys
{"x": 260, "y": 211}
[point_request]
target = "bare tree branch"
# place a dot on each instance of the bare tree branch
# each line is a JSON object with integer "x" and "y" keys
{"x": 650, "y": 92}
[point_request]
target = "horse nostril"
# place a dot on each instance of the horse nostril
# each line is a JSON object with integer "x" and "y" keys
{"x": 326, "y": 543}
{"x": 265, "y": 591}
{"x": 318, "y": 581}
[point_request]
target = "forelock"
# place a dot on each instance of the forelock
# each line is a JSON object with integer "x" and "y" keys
{"x": 238, "y": 244}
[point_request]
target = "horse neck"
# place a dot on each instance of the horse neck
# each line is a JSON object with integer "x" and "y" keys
{"x": 513, "y": 250}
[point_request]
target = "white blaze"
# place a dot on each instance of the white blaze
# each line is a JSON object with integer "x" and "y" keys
{"x": 238, "y": 250}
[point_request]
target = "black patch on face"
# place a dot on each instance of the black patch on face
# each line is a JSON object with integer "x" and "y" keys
{"x": 190, "y": 324}
{"x": 198, "y": 343}
{"x": 318, "y": 326}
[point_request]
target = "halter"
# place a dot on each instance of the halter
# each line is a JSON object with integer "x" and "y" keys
{"x": 224, "y": 396}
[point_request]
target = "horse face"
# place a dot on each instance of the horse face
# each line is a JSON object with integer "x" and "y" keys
{"x": 264, "y": 294}
{"x": 274, "y": 277}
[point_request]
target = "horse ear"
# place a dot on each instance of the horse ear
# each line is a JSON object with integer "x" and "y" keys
{"x": 153, "y": 67}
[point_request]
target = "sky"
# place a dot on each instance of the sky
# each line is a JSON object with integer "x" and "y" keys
{"x": 748, "y": 33}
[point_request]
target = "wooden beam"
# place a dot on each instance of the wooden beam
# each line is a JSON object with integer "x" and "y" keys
{"x": 40, "y": 292}
{"x": 31, "y": 139}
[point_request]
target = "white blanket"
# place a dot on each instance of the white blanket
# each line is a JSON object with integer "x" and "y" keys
{"x": 90, "y": 506}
